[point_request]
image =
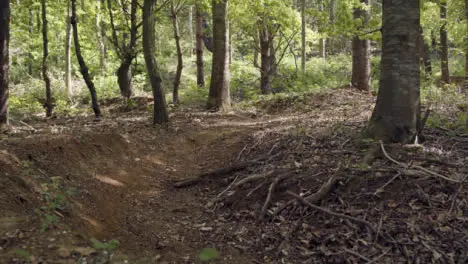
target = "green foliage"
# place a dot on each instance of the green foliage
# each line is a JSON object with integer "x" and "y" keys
{"x": 111, "y": 245}
{"x": 22, "y": 253}
{"x": 194, "y": 94}
{"x": 208, "y": 254}
{"x": 55, "y": 198}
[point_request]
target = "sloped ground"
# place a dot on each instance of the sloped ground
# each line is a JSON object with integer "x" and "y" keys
{"x": 120, "y": 179}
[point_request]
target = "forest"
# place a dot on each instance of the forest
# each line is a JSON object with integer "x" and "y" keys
{"x": 233, "y": 131}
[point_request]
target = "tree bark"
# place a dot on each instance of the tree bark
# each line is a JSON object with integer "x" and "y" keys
{"x": 466, "y": 45}
{"x": 48, "y": 104}
{"x": 190, "y": 29}
{"x": 199, "y": 48}
{"x": 126, "y": 51}
{"x": 100, "y": 36}
{"x": 322, "y": 41}
{"x": 303, "y": 36}
{"x": 444, "y": 43}
{"x": 219, "y": 98}
{"x": 4, "y": 60}
{"x": 83, "y": 68}
{"x": 180, "y": 62}
{"x": 30, "y": 31}
{"x": 266, "y": 67}
{"x": 424, "y": 54}
{"x": 68, "y": 43}
{"x": 160, "y": 115}
{"x": 396, "y": 114}
{"x": 361, "y": 54}
{"x": 124, "y": 77}
{"x": 330, "y": 41}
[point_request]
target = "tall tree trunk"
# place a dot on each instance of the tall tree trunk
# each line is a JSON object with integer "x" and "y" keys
{"x": 199, "y": 48}
{"x": 303, "y": 36}
{"x": 175, "y": 24}
{"x": 100, "y": 36}
{"x": 361, "y": 53}
{"x": 322, "y": 41}
{"x": 83, "y": 68}
{"x": 160, "y": 115}
{"x": 330, "y": 41}
{"x": 444, "y": 66}
{"x": 68, "y": 43}
{"x": 124, "y": 77}
{"x": 125, "y": 51}
{"x": 30, "y": 31}
{"x": 396, "y": 114}
{"x": 424, "y": 54}
{"x": 190, "y": 29}
{"x": 466, "y": 45}
{"x": 266, "y": 59}
{"x": 219, "y": 98}
{"x": 48, "y": 105}
{"x": 4, "y": 60}
{"x": 180, "y": 62}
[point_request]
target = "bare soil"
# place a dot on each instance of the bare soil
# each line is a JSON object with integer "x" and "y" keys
{"x": 119, "y": 181}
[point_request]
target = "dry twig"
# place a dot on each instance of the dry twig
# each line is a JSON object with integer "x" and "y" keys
{"x": 415, "y": 166}
{"x": 270, "y": 193}
{"x": 323, "y": 210}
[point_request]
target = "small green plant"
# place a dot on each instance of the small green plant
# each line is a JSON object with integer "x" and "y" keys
{"x": 208, "y": 254}
{"x": 22, "y": 253}
{"x": 111, "y": 245}
{"x": 55, "y": 199}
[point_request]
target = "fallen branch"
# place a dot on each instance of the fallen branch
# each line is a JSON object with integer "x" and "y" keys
{"x": 254, "y": 177}
{"x": 324, "y": 190}
{"x": 216, "y": 173}
{"x": 271, "y": 189}
{"x": 315, "y": 197}
{"x": 379, "y": 256}
{"x": 415, "y": 166}
{"x": 343, "y": 216}
{"x": 381, "y": 189}
{"x": 357, "y": 255}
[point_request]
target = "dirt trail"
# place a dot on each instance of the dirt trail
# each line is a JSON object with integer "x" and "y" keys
{"x": 123, "y": 173}
{"x": 113, "y": 180}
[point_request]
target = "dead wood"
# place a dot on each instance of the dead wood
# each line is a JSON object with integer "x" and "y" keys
{"x": 271, "y": 189}
{"x": 316, "y": 197}
{"x": 324, "y": 190}
{"x": 407, "y": 166}
{"x": 222, "y": 172}
{"x": 326, "y": 211}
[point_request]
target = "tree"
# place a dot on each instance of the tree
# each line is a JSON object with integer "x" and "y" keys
{"x": 266, "y": 37}
{"x": 100, "y": 33}
{"x": 397, "y": 111}
{"x": 466, "y": 45}
{"x": 199, "y": 47}
{"x": 219, "y": 98}
{"x": 125, "y": 51}
{"x": 83, "y": 68}
{"x": 48, "y": 105}
{"x": 361, "y": 51}
{"x": 4, "y": 60}
{"x": 160, "y": 115}
{"x": 303, "y": 35}
{"x": 68, "y": 43}
{"x": 424, "y": 54}
{"x": 322, "y": 41}
{"x": 444, "y": 43}
{"x": 175, "y": 8}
